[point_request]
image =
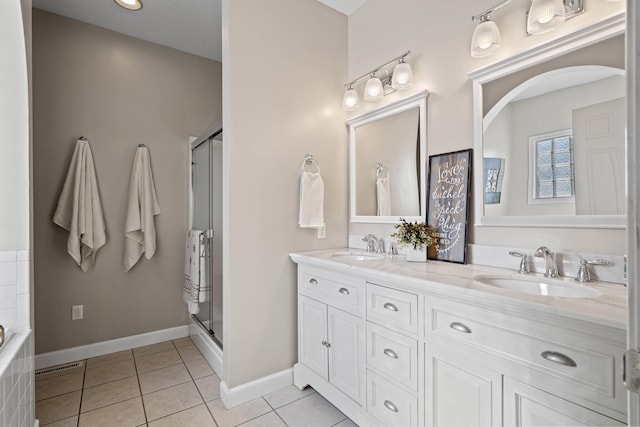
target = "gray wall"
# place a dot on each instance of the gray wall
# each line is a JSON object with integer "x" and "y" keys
{"x": 284, "y": 70}
{"x": 117, "y": 91}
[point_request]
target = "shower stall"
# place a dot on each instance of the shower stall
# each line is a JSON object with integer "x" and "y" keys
{"x": 206, "y": 215}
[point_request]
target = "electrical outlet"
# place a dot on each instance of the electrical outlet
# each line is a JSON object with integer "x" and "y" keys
{"x": 322, "y": 232}
{"x": 77, "y": 312}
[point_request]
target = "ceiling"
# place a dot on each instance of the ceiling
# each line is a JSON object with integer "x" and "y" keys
{"x": 193, "y": 26}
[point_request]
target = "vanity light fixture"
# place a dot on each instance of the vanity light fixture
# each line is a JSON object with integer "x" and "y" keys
{"x": 486, "y": 36}
{"x": 130, "y": 4}
{"x": 381, "y": 81}
{"x": 546, "y": 15}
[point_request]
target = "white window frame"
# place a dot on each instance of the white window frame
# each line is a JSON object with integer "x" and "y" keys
{"x": 531, "y": 196}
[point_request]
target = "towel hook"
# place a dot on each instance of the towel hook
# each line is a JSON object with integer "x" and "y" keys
{"x": 141, "y": 145}
{"x": 381, "y": 171}
{"x": 310, "y": 160}
{"x": 83, "y": 138}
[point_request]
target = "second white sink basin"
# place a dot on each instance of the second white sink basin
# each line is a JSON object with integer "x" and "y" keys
{"x": 357, "y": 256}
{"x": 535, "y": 286}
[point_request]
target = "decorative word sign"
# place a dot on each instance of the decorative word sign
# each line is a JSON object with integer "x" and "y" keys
{"x": 449, "y": 192}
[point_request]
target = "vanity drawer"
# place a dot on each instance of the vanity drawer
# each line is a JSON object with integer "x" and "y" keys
{"x": 390, "y": 405}
{"x": 392, "y": 308}
{"x": 566, "y": 361}
{"x": 346, "y": 294}
{"x": 393, "y": 354}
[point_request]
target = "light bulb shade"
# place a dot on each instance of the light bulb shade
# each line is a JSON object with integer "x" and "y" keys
{"x": 402, "y": 76}
{"x": 486, "y": 39}
{"x": 545, "y": 15}
{"x": 350, "y": 100}
{"x": 130, "y": 4}
{"x": 373, "y": 90}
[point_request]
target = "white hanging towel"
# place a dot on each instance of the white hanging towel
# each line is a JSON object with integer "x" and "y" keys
{"x": 140, "y": 230}
{"x": 79, "y": 209}
{"x": 194, "y": 271}
{"x": 383, "y": 193}
{"x": 311, "y": 200}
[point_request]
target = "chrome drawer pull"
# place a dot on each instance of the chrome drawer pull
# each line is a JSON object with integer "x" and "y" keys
{"x": 344, "y": 291}
{"x": 390, "y": 306}
{"x": 460, "y": 327}
{"x": 390, "y": 406}
{"x": 313, "y": 281}
{"x": 555, "y": 357}
{"x": 390, "y": 353}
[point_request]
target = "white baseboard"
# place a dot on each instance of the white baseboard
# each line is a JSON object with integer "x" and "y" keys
{"x": 207, "y": 347}
{"x": 246, "y": 392}
{"x": 59, "y": 357}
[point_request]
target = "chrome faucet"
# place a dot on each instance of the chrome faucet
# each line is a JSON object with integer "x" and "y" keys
{"x": 551, "y": 268}
{"x": 374, "y": 243}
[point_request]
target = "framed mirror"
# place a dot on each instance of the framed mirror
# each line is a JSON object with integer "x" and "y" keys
{"x": 549, "y": 130}
{"x": 387, "y": 155}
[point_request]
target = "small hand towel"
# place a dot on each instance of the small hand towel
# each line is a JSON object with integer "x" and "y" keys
{"x": 140, "y": 231}
{"x": 311, "y": 200}
{"x": 79, "y": 209}
{"x": 384, "y": 196}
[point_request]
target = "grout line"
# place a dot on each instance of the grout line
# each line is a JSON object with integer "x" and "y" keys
{"x": 84, "y": 376}
{"x": 144, "y": 409}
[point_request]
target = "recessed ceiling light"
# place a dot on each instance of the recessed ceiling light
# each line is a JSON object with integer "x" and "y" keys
{"x": 130, "y": 4}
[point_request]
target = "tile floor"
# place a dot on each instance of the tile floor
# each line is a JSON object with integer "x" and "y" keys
{"x": 169, "y": 384}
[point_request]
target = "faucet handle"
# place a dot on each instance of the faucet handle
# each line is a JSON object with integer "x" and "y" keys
{"x": 393, "y": 248}
{"x": 524, "y": 262}
{"x": 584, "y": 275}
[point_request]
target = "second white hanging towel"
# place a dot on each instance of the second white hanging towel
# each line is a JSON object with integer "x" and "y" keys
{"x": 140, "y": 230}
{"x": 311, "y": 200}
{"x": 383, "y": 193}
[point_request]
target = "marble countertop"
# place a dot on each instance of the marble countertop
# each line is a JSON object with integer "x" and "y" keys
{"x": 608, "y": 309}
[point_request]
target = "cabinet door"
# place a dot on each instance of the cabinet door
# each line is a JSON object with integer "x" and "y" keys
{"x": 346, "y": 357}
{"x": 526, "y": 406}
{"x": 313, "y": 333}
{"x": 460, "y": 393}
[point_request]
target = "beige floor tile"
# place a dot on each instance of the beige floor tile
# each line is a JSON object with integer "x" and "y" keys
{"x": 189, "y": 352}
{"x": 198, "y": 416}
{"x": 163, "y": 378}
{"x": 109, "y": 393}
{"x": 54, "y": 374}
{"x": 153, "y": 348}
{"x": 199, "y": 367}
{"x": 67, "y": 422}
{"x": 268, "y": 420}
{"x": 108, "y": 373}
{"x": 286, "y": 395}
{"x": 107, "y": 359}
{"x": 209, "y": 387}
{"x": 182, "y": 341}
{"x": 56, "y": 386}
{"x": 311, "y": 411}
{"x": 58, "y": 408}
{"x": 159, "y": 360}
{"x": 239, "y": 414}
{"x": 171, "y": 400}
{"x": 123, "y": 414}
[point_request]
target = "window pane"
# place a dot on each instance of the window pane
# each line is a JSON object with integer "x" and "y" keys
{"x": 545, "y": 173}
{"x": 544, "y": 146}
{"x": 554, "y": 167}
{"x": 563, "y": 172}
{"x": 564, "y": 189}
{"x": 562, "y": 143}
{"x": 545, "y": 190}
{"x": 544, "y": 159}
{"x": 562, "y": 157}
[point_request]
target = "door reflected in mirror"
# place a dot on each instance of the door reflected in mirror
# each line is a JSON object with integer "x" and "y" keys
{"x": 387, "y": 151}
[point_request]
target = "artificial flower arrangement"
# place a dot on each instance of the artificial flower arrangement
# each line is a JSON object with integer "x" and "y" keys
{"x": 417, "y": 235}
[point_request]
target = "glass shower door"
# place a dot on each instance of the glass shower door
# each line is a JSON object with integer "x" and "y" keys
{"x": 206, "y": 192}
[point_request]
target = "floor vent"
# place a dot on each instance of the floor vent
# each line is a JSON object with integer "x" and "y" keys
{"x": 59, "y": 368}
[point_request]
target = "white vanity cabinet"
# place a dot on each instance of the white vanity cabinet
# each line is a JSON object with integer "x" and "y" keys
{"x": 393, "y": 350}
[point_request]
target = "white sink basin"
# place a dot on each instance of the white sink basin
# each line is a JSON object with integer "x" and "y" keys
{"x": 357, "y": 256}
{"x": 535, "y": 286}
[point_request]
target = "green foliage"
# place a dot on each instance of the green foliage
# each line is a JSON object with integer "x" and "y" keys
{"x": 416, "y": 234}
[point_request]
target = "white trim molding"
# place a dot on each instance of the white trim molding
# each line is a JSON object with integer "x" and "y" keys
{"x": 207, "y": 346}
{"x": 59, "y": 357}
{"x": 252, "y": 390}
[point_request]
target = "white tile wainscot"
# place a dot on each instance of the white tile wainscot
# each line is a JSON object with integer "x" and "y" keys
{"x": 16, "y": 377}
{"x": 391, "y": 342}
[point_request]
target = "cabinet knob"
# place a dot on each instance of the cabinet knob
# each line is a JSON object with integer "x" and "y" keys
{"x": 460, "y": 327}
{"x": 390, "y": 306}
{"x": 313, "y": 281}
{"x": 561, "y": 359}
{"x": 390, "y": 353}
{"x": 344, "y": 291}
{"x": 390, "y": 406}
